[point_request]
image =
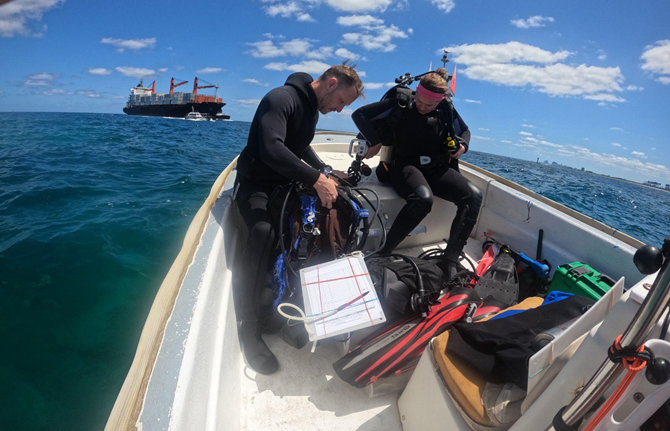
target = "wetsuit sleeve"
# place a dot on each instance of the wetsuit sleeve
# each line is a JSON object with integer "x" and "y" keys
{"x": 365, "y": 116}
{"x": 312, "y": 159}
{"x": 277, "y": 110}
{"x": 465, "y": 131}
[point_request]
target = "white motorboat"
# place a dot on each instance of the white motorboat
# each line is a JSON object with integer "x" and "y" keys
{"x": 195, "y": 116}
{"x": 188, "y": 372}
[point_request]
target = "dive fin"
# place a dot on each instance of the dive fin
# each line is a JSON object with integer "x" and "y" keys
{"x": 396, "y": 347}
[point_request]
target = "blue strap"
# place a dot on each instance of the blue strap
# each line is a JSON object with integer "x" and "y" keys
{"x": 360, "y": 212}
{"x": 279, "y": 283}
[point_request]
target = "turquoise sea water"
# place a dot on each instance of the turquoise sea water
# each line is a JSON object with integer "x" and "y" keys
{"x": 93, "y": 209}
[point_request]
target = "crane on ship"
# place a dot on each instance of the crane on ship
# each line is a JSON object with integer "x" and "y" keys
{"x": 196, "y": 88}
{"x": 173, "y": 85}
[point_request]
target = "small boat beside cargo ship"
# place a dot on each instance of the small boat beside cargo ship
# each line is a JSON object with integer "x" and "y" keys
{"x": 145, "y": 101}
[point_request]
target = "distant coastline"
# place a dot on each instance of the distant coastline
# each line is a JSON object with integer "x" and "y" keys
{"x": 629, "y": 181}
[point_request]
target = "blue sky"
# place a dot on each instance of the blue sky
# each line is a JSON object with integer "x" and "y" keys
{"x": 580, "y": 83}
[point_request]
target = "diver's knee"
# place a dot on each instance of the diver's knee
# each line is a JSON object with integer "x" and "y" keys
{"x": 424, "y": 195}
{"x": 261, "y": 232}
{"x": 475, "y": 198}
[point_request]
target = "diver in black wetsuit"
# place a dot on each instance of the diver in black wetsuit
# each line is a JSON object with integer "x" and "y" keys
{"x": 279, "y": 138}
{"x": 422, "y": 166}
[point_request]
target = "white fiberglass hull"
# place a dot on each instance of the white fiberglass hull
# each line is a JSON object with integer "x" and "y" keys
{"x": 188, "y": 373}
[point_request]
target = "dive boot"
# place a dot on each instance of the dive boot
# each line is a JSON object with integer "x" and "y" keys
{"x": 256, "y": 353}
{"x": 450, "y": 263}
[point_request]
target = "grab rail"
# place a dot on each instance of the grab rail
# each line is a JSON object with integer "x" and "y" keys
{"x": 653, "y": 306}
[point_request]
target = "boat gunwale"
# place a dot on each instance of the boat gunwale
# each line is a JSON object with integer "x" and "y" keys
{"x": 129, "y": 402}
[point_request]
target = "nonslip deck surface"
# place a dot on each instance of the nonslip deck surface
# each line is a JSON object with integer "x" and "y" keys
{"x": 305, "y": 394}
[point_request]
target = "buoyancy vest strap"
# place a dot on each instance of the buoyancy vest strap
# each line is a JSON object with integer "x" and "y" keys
{"x": 308, "y": 207}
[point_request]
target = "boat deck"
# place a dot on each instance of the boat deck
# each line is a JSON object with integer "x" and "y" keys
{"x": 306, "y": 394}
{"x": 188, "y": 372}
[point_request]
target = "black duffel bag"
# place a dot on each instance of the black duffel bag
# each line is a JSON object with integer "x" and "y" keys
{"x": 395, "y": 282}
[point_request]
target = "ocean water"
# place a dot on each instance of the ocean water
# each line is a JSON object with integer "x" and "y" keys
{"x": 93, "y": 210}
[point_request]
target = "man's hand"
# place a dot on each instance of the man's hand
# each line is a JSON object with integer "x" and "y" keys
{"x": 327, "y": 190}
{"x": 372, "y": 151}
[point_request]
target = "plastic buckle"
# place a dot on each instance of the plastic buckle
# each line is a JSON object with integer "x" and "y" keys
{"x": 424, "y": 160}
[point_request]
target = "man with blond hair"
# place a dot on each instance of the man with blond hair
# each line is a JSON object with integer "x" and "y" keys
{"x": 278, "y": 152}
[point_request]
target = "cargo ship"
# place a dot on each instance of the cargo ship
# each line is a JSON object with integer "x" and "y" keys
{"x": 145, "y": 101}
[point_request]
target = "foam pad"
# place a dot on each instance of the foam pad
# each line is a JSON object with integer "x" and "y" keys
{"x": 463, "y": 382}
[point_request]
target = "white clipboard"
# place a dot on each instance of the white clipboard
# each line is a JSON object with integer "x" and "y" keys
{"x": 331, "y": 285}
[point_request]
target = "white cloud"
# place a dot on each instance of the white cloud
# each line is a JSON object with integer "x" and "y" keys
{"x": 375, "y": 38}
{"x": 656, "y": 59}
{"x": 118, "y": 97}
{"x": 89, "y": 93}
{"x": 100, "y": 71}
{"x": 248, "y": 103}
{"x": 373, "y": 85}
{"x": 136, "y": 72}
{"x": 533, "y": 21}
{"x": 310, "y": 66}
{"x": 347, "y": 55}
{"x": 634, "y": 88}
{"x": 15, "y": 16}
{"x": 472, "y": 101}
{"x": 616, "y": 144}
{"x": 639, "y": 154}
{"x": 530, "y": 126}
{"x": 42, "y": 79}
{"x": 207, "y": 70}
{"x": 132, "y": 44}
{"x": 619, "y": 129}
{"x": 295, "y": 48}
{"x": 43, "y": 76}
{"x": 359, "y": 5}
{"x": 529, "y": 139}
{"x": 288, "y": 10}
{"x": 360, "y": 20}
{"x": 444, "y": 5}
{"x": 374, "y": 35}
{"x": 602, "y": 55}
{"x": 604, "y": 97}
{"x": 484, "y": 129}
{"x": 506, "y": 142}
{"x": 551, "y": 144}
{"x": 496, "y": 63}
{"x": 57, "y": 92}
{"x": 651, "y": 169}
{"x": 483, "y": 54}
{"x": 163, "y": 70}
{"x": 525, "y": 134}
{"x": 345, "y": 113}
{"x": 256, "y": 81}
{"x": 482, "y": 138}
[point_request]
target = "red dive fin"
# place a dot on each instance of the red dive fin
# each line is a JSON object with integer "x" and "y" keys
{"x": 397, "y": 346}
